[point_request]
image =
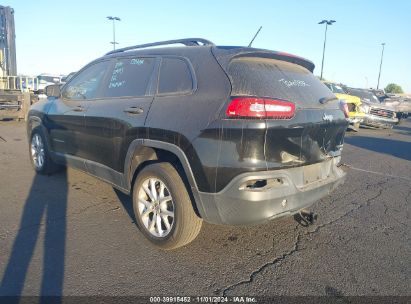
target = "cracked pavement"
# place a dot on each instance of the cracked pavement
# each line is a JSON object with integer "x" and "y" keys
{"x": 76, "y": 227}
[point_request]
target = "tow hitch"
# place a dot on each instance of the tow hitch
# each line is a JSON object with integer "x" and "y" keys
{"x": 305, "y": 217}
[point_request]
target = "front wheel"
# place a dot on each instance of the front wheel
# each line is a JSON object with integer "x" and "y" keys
{"x": 163, "y": 208}
{"x": 39, "y": 154}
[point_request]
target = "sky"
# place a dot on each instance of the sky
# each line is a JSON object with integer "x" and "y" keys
{"x": 62, "y": 36}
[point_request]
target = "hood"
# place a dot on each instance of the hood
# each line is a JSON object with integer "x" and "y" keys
{"x": 379, "y": 106}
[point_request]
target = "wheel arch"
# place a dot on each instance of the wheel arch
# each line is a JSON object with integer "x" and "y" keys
{"x": 36, "y": 123}
{"x": 143, "y": 152}
{"x": 33, "y": 122}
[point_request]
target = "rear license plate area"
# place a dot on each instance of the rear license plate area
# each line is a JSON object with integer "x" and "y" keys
{"x": 312, "y": 173}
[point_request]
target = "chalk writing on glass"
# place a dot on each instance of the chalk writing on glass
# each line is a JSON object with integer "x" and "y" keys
{"x": 137, "y": 61}
{"x": 294, "y": 83}
{"x": 114, "y": 81}
{"x": 116, "y": 84}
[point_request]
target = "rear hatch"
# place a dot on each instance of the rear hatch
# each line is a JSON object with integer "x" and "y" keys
{"x": 313, "y": 132}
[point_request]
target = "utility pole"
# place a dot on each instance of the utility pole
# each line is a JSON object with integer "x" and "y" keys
{"x": 114, "y": 19}
{"x": 327, "y": 23}
{"x": 379, "y": 74}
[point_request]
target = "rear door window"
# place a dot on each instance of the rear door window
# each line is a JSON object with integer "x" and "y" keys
{"x": 175, "y": 77}
{"x": 264, "y": 77}
{"x": 130, "y": 77}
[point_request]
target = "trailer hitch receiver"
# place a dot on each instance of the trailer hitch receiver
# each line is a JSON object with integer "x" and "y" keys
{"x": 305, "y": 217}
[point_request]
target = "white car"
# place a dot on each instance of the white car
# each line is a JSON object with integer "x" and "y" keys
{"x": 45, "y": 80}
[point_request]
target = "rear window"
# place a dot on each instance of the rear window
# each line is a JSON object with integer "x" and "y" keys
{"x": 263, "y": 77}
{"x": 175, "y": 77}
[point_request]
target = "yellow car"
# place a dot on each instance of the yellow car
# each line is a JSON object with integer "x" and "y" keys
{"x": 355, "y": 115}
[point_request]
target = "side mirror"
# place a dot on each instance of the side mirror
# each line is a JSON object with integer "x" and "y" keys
{"x": 53, "y": 90}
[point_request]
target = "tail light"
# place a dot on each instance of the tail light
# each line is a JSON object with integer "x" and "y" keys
{"x": 344, "y": 108}
{"x": 249, "y": 107}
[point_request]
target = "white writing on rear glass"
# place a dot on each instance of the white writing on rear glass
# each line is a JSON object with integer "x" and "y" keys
{"x": 294, "y": 83}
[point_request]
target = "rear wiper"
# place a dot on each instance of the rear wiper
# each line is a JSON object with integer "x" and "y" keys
{"x": 324, "y": 100}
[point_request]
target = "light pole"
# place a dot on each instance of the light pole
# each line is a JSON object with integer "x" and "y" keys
{"x": 379, "y": 74}
{"x": 327, "y": 23}
{"x": 114, "y": 19}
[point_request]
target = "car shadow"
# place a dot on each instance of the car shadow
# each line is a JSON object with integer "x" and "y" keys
{"x": 394, "y": 147}
{"x": 45, "y": 206}
{"x": 127, "y": 203}
{"x": 403, "y": 130}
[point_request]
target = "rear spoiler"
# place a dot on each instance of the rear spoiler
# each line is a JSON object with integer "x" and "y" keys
{"x": 224, "y": 54}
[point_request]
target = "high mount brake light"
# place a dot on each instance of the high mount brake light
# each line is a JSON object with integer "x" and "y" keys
{"x": 249, "y": 107}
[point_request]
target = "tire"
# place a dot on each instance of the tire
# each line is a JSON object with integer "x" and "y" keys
{"x": 178, "y": 224}
{"x": 40, "y": 155}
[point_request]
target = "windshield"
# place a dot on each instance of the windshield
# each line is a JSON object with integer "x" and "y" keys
{"x": 335, "y": 88}
{"x": 364, "y": 95}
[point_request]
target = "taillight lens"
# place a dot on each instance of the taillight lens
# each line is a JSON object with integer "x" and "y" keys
{"x": 344, "y": 108}
{"x": 249, "y": 107}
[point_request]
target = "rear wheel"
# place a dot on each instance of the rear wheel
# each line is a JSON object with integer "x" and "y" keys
{"x": 39, "y": 154}
{"x": 163, "y": 208}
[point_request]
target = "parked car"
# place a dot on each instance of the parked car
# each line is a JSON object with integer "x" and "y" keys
{"x": 401, "y": 105}
{"x": 378, "y": 115}
{"x": 229, "y": 135}
{"x": 355, "y": 115}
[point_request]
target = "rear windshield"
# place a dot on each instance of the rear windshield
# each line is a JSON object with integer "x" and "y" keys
{"x": 263, "y": 77}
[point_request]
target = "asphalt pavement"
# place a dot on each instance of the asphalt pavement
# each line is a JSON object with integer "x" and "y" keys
{"x": 71, "y": 234}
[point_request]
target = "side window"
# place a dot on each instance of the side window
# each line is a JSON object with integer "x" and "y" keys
{"x": 129, "y": 77}
{"x": 87, "y": 84}
{"x": 175, "y": 76}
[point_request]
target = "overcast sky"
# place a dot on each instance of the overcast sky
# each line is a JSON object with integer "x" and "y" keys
{"x": 62, "y": 36}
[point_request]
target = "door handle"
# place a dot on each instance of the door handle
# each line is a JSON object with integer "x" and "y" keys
{"x": 134, "y": 110}
{"x": 78, "y": 109}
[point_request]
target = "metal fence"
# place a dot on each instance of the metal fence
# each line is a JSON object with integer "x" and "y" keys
{"x": 19, "y": 83}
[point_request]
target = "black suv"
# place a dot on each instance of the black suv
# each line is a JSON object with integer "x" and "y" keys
{"x": 229, "y": 135}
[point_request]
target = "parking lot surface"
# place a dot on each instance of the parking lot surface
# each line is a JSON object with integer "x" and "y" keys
{"x": 72, "y": 234}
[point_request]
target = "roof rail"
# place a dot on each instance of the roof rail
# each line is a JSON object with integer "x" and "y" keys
{"x": 186, "y": 42}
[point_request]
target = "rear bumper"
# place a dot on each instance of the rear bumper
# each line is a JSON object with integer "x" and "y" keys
{"x": 378, "y": 121}
{"x": 286, "y": 192}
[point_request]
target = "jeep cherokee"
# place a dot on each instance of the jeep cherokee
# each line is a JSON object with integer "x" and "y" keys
{"x": 229, "y": 135}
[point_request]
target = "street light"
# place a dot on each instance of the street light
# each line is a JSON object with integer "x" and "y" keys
{"x": 327, "y": 23}
{"x": 379, "y": 74}
{"x": 114, "y": 19}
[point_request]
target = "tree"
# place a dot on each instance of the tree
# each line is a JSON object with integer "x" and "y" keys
{"x": 393, "y": 88}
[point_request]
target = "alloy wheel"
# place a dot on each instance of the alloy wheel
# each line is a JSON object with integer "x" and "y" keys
{"x": 156, "y": 207}
{"x": 37, "y": 151}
